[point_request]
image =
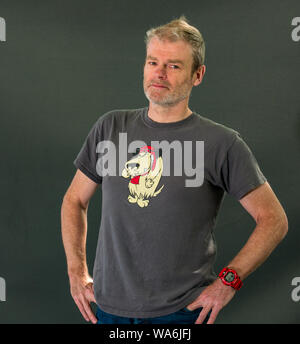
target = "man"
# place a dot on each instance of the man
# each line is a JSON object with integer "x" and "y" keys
{"x": 156, "y": 248}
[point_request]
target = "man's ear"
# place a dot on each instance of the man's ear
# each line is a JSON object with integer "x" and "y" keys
{"x": 199, "y": 74}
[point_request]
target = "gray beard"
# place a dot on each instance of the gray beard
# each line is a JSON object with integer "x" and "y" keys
{"x": 167, "y": 101}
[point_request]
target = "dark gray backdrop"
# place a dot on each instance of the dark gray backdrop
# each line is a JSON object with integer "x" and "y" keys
{"x": 65, "y": 63}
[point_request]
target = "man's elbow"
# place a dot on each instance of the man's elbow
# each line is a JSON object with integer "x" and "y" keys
{"x": 281, "y": 224}
{"x": 284, "y": 225}
{"x": 278, "y": 221}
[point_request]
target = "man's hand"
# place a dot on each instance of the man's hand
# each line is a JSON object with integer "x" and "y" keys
{"x": 82, "y": 291}
{"x": 214, "y": 297}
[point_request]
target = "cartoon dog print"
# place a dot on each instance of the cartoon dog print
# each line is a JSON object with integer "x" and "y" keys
{"x": 145, "y": 172}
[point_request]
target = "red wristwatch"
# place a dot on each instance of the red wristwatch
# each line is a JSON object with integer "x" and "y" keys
{"x": 230, "y": 277}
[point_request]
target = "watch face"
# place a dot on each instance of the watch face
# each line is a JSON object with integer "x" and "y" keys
{"x": 229, "y": 277}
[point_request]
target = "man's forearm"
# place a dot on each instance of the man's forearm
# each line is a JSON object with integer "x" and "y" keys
{"x": 266, "y": 236}
{"x": 74, "y": 231}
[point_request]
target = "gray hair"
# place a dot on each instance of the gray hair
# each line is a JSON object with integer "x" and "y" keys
{"x": 179, "y": 29}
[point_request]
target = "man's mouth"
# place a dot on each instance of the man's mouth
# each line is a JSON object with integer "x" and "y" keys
{"x": 158, "y": 86}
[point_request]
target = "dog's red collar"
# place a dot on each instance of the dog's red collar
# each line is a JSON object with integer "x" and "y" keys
{"x": 135, "y": 180}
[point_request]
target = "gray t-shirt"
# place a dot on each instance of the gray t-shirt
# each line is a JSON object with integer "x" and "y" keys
{"x": 160, "y": 200}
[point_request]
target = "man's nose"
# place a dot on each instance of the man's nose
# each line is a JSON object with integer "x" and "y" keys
{"x": 161, "y": 72}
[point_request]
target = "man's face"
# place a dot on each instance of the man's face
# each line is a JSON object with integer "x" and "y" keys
{"x": 167, "y": 72}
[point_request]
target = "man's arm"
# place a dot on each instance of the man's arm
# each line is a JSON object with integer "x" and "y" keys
{"x": 271, "y": 227}
{"x": 74, "y": 231}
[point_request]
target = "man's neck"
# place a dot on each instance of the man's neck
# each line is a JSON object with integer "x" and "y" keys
{"x": 165, "y": 114}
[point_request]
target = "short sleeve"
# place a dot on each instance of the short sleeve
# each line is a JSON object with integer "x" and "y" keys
{"x": 240, "y": 172}
{"x": 86, "y": 159}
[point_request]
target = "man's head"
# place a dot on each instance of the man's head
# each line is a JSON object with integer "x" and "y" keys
{"x": 174, "y": 62}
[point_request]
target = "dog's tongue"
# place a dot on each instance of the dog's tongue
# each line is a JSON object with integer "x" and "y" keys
{"x": 135, "y": 180}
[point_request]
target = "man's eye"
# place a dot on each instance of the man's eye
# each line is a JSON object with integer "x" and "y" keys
{"x": 151, "y": 63}
{"x": 174, "y": 66}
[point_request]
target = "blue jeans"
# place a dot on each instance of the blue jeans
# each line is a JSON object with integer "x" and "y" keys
{"x": 183, "y": 316}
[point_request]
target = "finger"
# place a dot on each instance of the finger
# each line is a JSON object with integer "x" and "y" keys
{"x": 192, "y": 306}
{"x": 203, "y": 314}
{"x": 81, "y": 308}
{"x": 90, "y": 293}
{"x": 89, "y": 311}
{"x": 212, "y": 318}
